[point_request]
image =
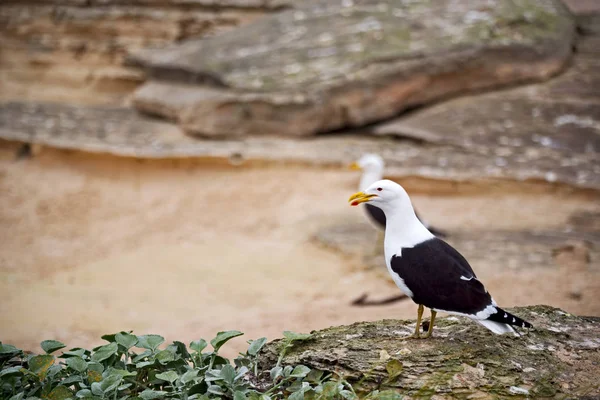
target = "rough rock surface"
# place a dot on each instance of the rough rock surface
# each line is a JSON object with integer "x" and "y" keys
{"x": 558, "y": 359}
{"x": 527, "y": 128}
{"x": 124, "y": 132}
{"x": 73, "y": 50}
{"x": 553, "y": 122}
{"x": 332, "y": 64}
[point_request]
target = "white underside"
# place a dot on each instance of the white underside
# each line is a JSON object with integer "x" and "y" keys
{"x": 497, "y": 327}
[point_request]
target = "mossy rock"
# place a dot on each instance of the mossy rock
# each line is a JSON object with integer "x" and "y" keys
{"x": 559, "y": 358}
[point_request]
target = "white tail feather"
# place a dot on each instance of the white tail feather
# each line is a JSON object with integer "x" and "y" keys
{"x": 497, "y": 327}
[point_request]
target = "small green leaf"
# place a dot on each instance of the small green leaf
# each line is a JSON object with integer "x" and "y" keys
{"x": 152, "y": 394}
{"x": 295, "y": 386}
{"x": 126, "y": 340}
{"x": 60, "y": 393}
{"x": 169, "y": 376}
{"x": 348, "y": 395}
{"x": 275, "y": 372}
{"x": 165, "y": 356}
{"x": 8, "y": 349}
{"x": 143, "y": 364}
{"x": 97, "y": 389}
{"x": 189, "y": 376}
{"x": 110, "y": 383}
{"x": 256, "y": 345}
{"x": 181, "y": 349}
{"x": 227, "y": 374}
{"x": 223, "y": 337}
{"x": 83, "y": 393}
{"x": 39, "y": 365}
{"x": 314, "y": 376}
{"x": 110, "y": 337}
{"x": 237, "y": 395}
{"x": 77, "y": 364}
{"x": 240, "y": 372}
{"x": 68, "y": 381}
{"x": 150, "y": 342}
{"x": 75, "y": 352}
{"x": 394, "y": 368}
{"x": 96, "y": 366}
{"x": 198, "y": 345}
{"x": 94, "y": 376}
{"x": 53, "y": 371}
{"x": 120, "y": 372}
{"x": 105, "y": 352}
{"x": 141, "y": 356}
{"x": 11, "y": 371}
{"x": 331, "y": 389}
{"x": 300, "y": 371}
{"x": 51, "y": 346}
{"x": 299, "y": 395}
{"x": 296, "y": 336}
{"x": 287, "y": 370}
{"x": 18, "y": 396}
{"x": 198, "y": 388}
{"x": 215, "y": 389}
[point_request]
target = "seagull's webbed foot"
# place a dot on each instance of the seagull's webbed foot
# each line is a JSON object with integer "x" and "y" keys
{"x": 430, "y": 329}
{"x": 417, "y": 334}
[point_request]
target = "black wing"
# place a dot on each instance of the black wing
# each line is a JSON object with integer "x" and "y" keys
{"x": 432, "y": 270}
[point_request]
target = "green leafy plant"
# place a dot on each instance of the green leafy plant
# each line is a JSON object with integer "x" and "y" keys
{"x": 115, "y": 371}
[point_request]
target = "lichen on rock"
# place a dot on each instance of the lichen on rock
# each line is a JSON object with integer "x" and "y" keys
{"x": 559, "y": 358}
{"x": 351, "y": 63}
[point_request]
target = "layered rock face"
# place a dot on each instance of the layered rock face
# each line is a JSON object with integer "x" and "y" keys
{"x": 332, "y": 64}
{"x": 72, "y": 51}
{"x": 281, "y": 70}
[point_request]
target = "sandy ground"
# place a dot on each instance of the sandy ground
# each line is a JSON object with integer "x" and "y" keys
{"x": 93, "y": 245}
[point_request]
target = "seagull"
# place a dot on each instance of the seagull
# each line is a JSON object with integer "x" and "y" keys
{"x": 372, "y": 166}
{"x": 427, "y": 269}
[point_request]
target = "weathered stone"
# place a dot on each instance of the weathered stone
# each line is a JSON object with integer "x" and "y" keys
{"x": 559, "y": 358}
{"x": 124, "y": 132}
{"x": 583, "y": 6}
{"x": 64, "y": 51}
{"x": 557, "y": 121}
{"x": 330, "y": 64}
{"x": 506, "y": 123}
{"x": 212, "y": 4}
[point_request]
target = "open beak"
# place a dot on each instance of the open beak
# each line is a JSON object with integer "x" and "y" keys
{"x": 355, "y": 167}
{"x": 360, "y": 197}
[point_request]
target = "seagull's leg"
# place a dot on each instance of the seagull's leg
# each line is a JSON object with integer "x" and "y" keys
{"x": 430, "y": 330}
{"x": 417, "y": 335}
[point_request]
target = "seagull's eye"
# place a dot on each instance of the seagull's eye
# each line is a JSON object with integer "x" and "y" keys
{"x": 379, "y": 189}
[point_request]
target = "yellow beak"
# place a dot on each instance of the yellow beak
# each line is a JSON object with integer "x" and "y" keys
{"x": 360, "y": 197}
{"x": 355, "y": 167}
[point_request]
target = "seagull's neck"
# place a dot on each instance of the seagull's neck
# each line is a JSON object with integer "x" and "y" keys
{"x": 403, "y": 230}
{"x": 369, "y": 176}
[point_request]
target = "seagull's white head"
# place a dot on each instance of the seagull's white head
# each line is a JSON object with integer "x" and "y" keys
{"x": 403, "y": 228}
{"x": 385, "y": 194}
{"x": 369, "y": 163}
